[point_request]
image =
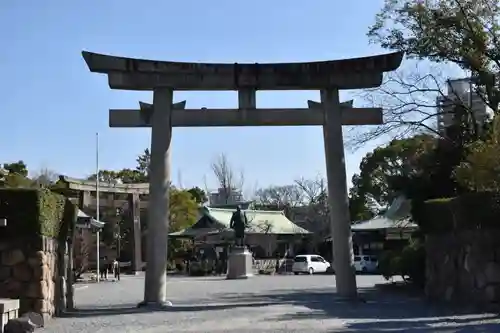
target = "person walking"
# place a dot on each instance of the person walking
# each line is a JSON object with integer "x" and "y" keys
{"x": 103, "y": 269}
{"x": 116, "y": 269}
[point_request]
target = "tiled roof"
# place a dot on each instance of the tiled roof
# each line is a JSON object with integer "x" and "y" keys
{"x": 400, "y": 208}
{"x": 381, "y": 222}
{"x": 260, "y": 221}
{"x": 85, "y": 221}
{"x": 271, "y": 222}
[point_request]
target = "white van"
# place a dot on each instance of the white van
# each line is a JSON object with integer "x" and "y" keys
{"x": 365, "y": 264}
{"x": 309, "y": 264}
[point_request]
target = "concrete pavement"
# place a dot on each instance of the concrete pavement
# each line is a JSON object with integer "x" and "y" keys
{"x": 261, "y": 304}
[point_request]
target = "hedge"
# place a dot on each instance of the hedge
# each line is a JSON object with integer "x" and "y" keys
{"x": 465, "y": 212}
{"x": 408, "y": 263}
{"x": 31, "y": 212}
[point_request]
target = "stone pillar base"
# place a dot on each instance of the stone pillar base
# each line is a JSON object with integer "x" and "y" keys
{"x": 8, "y": 310}
{"x": 239, "y": 263}
{"x": 154, "y": 305}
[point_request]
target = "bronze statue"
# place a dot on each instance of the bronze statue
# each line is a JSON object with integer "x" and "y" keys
{"x": 239, "y": 223}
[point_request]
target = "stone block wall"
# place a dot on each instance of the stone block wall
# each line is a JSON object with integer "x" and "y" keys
{"x": 28, "y": 272}
{"x": 464, "y": 267}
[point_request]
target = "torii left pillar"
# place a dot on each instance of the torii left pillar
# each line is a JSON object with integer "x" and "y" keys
{"x": 155, "y": 288}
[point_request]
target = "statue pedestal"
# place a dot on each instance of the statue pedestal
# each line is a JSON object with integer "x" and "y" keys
{"x": 239, "y": 263}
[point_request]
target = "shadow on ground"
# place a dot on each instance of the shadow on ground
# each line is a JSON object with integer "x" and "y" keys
{"x": 133, "y": 309}
{"x": 426, "y": 325}
{"x": 378, "y": 310}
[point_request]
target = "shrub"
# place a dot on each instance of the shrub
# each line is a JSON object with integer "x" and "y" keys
{"x": 436, "y": 215}
{"x": 180, "y": 266}
{"x": 387, "y": 264}
{"x": 200, "y": 268}
{"x": 408, "y": 263}
{"x": 412, "y": 263}
{"x": 31, "y": 212}
{"x": 469, "y": 211}
{"x": 170, "y": 265}
{"x": 480, "y": 170}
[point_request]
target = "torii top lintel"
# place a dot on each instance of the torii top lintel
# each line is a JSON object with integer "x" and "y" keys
{"x": 138, "y": 74}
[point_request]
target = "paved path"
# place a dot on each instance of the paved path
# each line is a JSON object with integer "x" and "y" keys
{"x": 262, "y": 304}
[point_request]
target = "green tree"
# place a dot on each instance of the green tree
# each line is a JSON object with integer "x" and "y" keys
{"x": 480, "y": 171}
{"x": 18, "y": 167}
{"x": 129, "y": 176}
{"x": 198, "y": 195}
{"x": 435, "y": 179}
{"x": 382, "y": 169}
{"x": 107, "y": 176}
{"x": 183, "y": 209}
{"x": 126, "y": 176}
{"x": 15, "y": 180}
{"x": 183, "y": 214}
{"x": 15, "y": 176}
{"x": 358, "y": 207}
{"x": 463, "y": 32}
{"x": 143, "y": 163}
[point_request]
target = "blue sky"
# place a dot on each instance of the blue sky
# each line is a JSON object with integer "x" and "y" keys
{"x": 52, "y": 106}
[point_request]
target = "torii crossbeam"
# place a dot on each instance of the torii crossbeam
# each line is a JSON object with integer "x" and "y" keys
{"x": 182, "y": 117}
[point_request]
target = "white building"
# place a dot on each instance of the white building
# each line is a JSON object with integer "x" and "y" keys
{"x": 460, "y": 92}
{"x": 225, "y": 196}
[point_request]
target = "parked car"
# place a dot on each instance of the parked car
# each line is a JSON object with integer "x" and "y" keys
{"x": 310, "y": 264}
{"x": 366, "y": 264}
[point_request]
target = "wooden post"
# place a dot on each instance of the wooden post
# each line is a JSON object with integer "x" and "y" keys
{"x": 73, "y": 214}
{"x": 134, "y": 216}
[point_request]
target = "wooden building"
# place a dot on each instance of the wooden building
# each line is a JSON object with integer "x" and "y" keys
{"x": 380, "y": 233}
{"x": 269, "y": 233}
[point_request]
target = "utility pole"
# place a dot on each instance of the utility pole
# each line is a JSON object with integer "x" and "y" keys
{"x": 98, "y": 241}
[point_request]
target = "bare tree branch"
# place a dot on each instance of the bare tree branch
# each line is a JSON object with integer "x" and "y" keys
{"x": 225, "y": 175}
{"x": 316, "y": 201}
{"x": 280, "y": 196}
{"x": 45, "y": 177}
{"x": 462, "y": 32}
{"x": 411, "y": 100}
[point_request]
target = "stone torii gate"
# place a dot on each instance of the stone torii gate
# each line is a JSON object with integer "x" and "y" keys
{"x": 163, "y": 77}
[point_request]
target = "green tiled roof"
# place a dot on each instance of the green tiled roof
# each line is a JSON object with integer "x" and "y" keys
{"x": 381, "y": 223}
{"x": 84, "y": 221}
{"x": 259, "y": 221}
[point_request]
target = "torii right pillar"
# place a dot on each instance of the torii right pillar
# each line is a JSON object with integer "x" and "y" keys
{"x": 338, "y": 202}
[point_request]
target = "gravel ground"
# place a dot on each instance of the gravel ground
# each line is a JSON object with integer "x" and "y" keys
{"x": 261, "y": 304}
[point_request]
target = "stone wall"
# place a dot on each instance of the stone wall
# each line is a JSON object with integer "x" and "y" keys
{"x": 28, "y": 272}
{"x": 464, "y": 267}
